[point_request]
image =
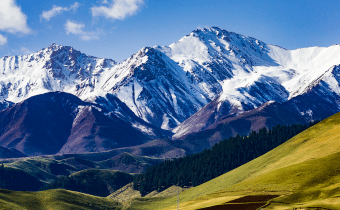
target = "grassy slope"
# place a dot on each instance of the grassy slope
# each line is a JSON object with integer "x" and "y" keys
{"x": 53, "y": 199}
{"x": 125, "y": 194}
{"x": 44, "y": 169}
{"x": 129, "y": 162}
{"x": 291, "y": 169}
{"x": 96, "y": 179}
{"x": 47, "y": 168}
{"x": 11, "y": 178}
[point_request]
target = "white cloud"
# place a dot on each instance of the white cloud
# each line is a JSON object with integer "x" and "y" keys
{"x": 56, "y": 10}
{"x": 117, "y": 9}
{"x": 25, "y": 50}
{"x": 75, "y": 28}
{"x": 22, "y": 51}
{"x": 12, "y": 20}
{"x": 3, "y": 40}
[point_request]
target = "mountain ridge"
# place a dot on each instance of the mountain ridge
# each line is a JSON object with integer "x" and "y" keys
{"x": 164, "y": 86}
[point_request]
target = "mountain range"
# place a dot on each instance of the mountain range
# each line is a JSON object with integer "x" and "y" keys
{"x": 209, "y": 85}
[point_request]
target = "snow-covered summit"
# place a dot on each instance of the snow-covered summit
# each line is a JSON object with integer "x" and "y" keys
{"x": 165, "y": 85}
{"x": 55, "y": 68}
{"x": 205, "y": 45}
{"x": 259, "y": 72}
{"x": 155, "y": 88}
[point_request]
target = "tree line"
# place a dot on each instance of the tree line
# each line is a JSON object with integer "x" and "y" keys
{"x": 195, "y": 169}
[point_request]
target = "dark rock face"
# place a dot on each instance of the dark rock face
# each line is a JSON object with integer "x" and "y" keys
{"x": 92, "y": 131}
{"x": 43, "y": 124}
{"x": 40, "y": 124}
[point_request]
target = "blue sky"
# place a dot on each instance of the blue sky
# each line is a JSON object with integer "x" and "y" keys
{"x": 117, "y": 29}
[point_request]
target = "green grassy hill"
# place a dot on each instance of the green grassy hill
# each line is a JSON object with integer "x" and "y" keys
{"x": 47, "y": 169}
{"x": 304, "y": 171}
{"x": 44, "y": 169}
{"x": 15, "y": 179}
{"x": 54, "y": 199}
{"x": 99, "y": 182}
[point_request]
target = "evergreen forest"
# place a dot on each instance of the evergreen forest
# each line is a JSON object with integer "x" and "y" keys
{"x": 195, "y": 169}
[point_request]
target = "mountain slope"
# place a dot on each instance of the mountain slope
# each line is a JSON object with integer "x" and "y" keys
{"x": 92, "y": 131}
{"x": 26, "y": 126}
{"x": 209, "y": 125}
{"x": 113, "y": 106}
{"x": 239, "y": 72}
{"x": 308, "y": 72}
{"x": 165, "y": 85}
{"x": 61, "y": 122}
{"x": 155, "y": 88}
{"x": 55, "y": 68}
{"x": 304, "y": 169}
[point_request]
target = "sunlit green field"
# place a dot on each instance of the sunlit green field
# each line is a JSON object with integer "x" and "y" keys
{"x": 305, "y": 171}
{"x": 54, "y": 199}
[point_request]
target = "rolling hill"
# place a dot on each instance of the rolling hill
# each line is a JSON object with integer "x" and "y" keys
{"x": 35, "y": 173}
{"x": 93, "y": 181}
{"x": 304, "y": 171}
{"x": 301, "y": 173}
{"x": 54, "y": 199}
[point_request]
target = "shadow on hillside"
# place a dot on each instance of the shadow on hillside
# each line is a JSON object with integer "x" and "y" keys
{"x": 244, "y": 203}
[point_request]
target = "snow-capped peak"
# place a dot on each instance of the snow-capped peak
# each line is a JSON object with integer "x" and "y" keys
{"x": 164, "y": 85}
{"x": 55, "y": 68}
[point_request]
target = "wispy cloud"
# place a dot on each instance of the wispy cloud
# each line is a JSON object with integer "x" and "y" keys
{"x": 117, "y": 9}
{"x": 3, "y": 40}
{"x": 12, "y": 20}
{"x": 25, "y": 50}
{"x": 75, "y": 28}
{"x": 56, "y": 10}
{"x": 21, "y": 51}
